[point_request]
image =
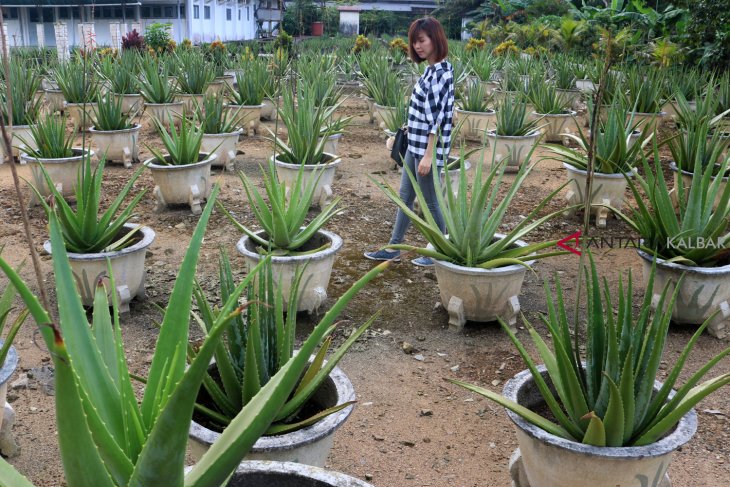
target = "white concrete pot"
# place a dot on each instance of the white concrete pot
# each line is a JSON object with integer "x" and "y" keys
{"x": 219, "y": 85}
{"x": 380, "y": 113}
{"x": 309, "y": 446}
{"x": 573, "y": 96}
{"x": 687, "y": 183}
{"x": 316, "y": 276}
{"x": 248, "y": 117}
{"x": 76, "y": 114}
{"x": 546, "y": 460}
{"x": 54, "y": 100}
{"x": 323, "y": 191}
{"x": 6, "y": 371}
{"x": 607, "y": 189}
{"x": 229, "y": 76}
{"x": 63, "y": 172}
{"x": 118, "y": 145}
{"x": 475, "y": 294}
{"x": 476, "y": 123}
{"x": 279, "y": 474}
{"x": 223, "y": 146}
{"x": 163, "y": 111}
{"x": 350, "y": 88}
{"x": 131, "y": 103}
{"x": 189, "y": 102}
{"x": 554, "y": 126}
{"x": 127, "y": 268}
{"x": 332, "y": 144}
{"x": 514, "y": 149}
{"x": 585, "y": 85}
{"x": 371, "y": 107}
{"x": 189, "y": 184}
{"x": 704, "y": 291}
{"x": 649, "y": 120}
{"x": 268, "y": 109}
{"x": 19, "y": 132}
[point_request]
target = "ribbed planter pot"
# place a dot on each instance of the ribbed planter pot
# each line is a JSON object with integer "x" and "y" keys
{"x": 63, "y": 172}
{"x": 118, "y": 145}
{"x": 332, "y": 144}
{"x": 76, "y": 114}
{"x": 248, "y": 117}
{"x": 55, "y": 100}
{"x": 175, "y": 185}
{"x": 572, "y": 96}
{"x": 127, "y": 268}
{"x": 229, "y": 76}
{"x": 514, "y": 149}
{"x": 546, "y": 460}
{"x": 6, "y": 371}
{"x": 189, "y": 101}
{"x": 19, "y": 132}
{"x": 370, "y": 102}
{"x": 585, "y": 85}
{"x": 323, "y": 191}
{"x": 703, "y": 291}
{"x": 686, "y": 177}
{"x": 608, "y": 190}
{"x": 555, "y": 126}
{"x": 131, "y": 103}
{"x": 316, "y": 276}
{"x": 309, "y": 446}
{"x": 649, "y": 120}
{"x": 279, "y": 474}
{"x": 475, "y": 294}
{"x": 476, "y": 124}
{"x": 164, "y": 111}
{"x": 380, "y": 113}
{"x": 223, "y": 146}
{"x": 219, "y": 85}
{"x": 268, "y": 109}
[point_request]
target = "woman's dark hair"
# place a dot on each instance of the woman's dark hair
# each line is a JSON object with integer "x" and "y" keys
{"x": 432, "y": 28}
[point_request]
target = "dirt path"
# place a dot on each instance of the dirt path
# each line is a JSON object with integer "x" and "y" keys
{"x": 410, "y": 427}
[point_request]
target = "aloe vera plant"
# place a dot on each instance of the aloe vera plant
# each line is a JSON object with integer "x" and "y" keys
{"x": 512, "y": 119}
{"x": 109, "y": 115}
{"x": 397, "y": 118}
{"x": 155, "y": 83}
{"x": 213, "y": 118}
{"x": 645, "y": 90}
{"x": 121, "y": 72}
{"x": 6, "y": 306}
{"x": 610, "y": 400}
{"x": 282, "y": 219}
{"x": 106, "y": 436}
{"x": 183, "y": 146}
{"x": 194, "y": 74}
{"x": 547, "y": 100}
{"x": 250, "y": 84}
{"x": 51, "y": 139}
{"x": 384, "y": 87}
{"x": 475, "y": 98}
{"x": 26, "y": 107}
{"x": 483, "y": 64}
{"x": 262, "y": 341}
{"x": 78, "y": 84}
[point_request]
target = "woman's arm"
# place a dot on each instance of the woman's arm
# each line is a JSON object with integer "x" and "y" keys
{"x": 426, "y": 161}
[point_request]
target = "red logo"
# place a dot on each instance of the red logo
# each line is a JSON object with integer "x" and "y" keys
{"x": 563, "y": 244}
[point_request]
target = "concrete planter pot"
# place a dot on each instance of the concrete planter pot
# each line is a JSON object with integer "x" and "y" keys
{"x": 189, "y": 184}
{"x": 131, "y": 103}
{"x": 223, "y": 146}
{"x": 649, "y": 120}
{"x": 248, "y": 117}
{"x": 554, "y": 126}
{"x": 229, "y": 76}
{"x": 279, "y": 474}
{"x": 350, "y": 88}
{"x": 686, "y": 177}
{"x": 19, "y": 132}
{"x": 704, "y": 291}
{"x": 164, "y": 111}
{"x": 76, "y": 113}
{"x": 189, "y": 102}
{"x": 309, "y": 446}
{"x": 323, "y": 191}
{"x": 585, "y": 85}
{"x": 127, "y": 267}
{"x": 475, "y": 294}
{"x": 514, "y": 149}
{"x": 8, "y": 446}
{"x": 118, "y": 145}
{"x": 219, "y": 85}
{"x": 380, "y": 113}
{"x": 54, "y": 100}
{"x": 316, "y": 277}
{"x": 546, "y": 460}
{"x": 332, "y": 144}
{"x": 268, "y": 109}
{"x": 63, "y": 172}
{"x": 573, "y": 96}
{"x": 476, "y": 123}
{"x": 608, "y": 190}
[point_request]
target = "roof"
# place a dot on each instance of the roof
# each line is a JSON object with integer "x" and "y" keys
{"x": 67, "y": 3}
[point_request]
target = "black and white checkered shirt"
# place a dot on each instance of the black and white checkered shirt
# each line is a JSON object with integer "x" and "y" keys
{"x": 431, "y": 111}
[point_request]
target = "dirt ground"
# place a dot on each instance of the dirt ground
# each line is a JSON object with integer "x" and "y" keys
{"x": 410, "y": 427}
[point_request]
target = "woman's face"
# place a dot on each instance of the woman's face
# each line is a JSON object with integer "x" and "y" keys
{"x": 424, "y": 47}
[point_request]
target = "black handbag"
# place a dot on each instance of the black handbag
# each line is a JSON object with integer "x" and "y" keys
{"x": 400, "y": 146}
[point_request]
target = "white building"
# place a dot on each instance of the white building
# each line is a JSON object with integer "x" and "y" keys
{"x": 197, "y": 20}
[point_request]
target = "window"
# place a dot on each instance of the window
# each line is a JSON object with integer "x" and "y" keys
{"x": 117, "y": 12}
{"x": 157, "y": 12}
{"x": 228, "y": 14}
{"x": 182, "y": 11}
{"x": 206, "y": 12}
{"x": 63, "y": 13}
{"x": 129, "y": 12}
{"x": 239, "y": 15}
{"x": 145, "y": 13}
{"x": 10, "y": 12}
{"x": 168, "y": 12}
{"x": 196, "y": 12}
{"x": 248, "y": 16}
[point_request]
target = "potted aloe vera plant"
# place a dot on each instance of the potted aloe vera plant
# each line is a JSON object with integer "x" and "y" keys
{"x": 94, "y": 402}
{"x": 122, "y": 74}
{"x": 553, "y": 109}
{"x": 645, "y": 89}
{"x": 182, "y": 175}
{"x": 80, "y": 87}
{"x": 692, "y": 240}
{"x": 193, "y": 74}
{"x": 514, "y": 135}
{"x": 385, "y": 88}
{"x": 479, "y": 271}
{"x": 613, "y": 423}
{"x": 220, "y": 134}
{"x": 248, "y": 96}
{"x": 158, "y": 89}
{"x": 473, "y": 109}
{"x": 284, "y": 234}
{"x": 114, "y": 132}
{"x": 25, "y": 108}
{"x": 98, "y": 240}
{"x": 564, "y": 79}
{"x": 298, "y": 433}
{"x": 56, "y": 153}
{"x": 484, "y": 67}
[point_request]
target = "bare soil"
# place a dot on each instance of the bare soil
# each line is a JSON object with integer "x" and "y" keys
{"x": 410, "y": 428}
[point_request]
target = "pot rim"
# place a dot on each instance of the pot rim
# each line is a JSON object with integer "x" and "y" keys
{"x": 136, "y": 95}
{"x": 225, "y": 134}
{"x": 696, "y": 270}
{"x": 674, "y": 168}
{"x": 383, "y": 106}
{"x": 647, "y": 114}
{"x": 682, "y": 433}
{"x": 602, "y": 175}
{"x": 310, "y": 167}
{"x": 532, "y": 135}
{"x": 569, "y": 113}
{"x": 489, "y": 111}
{"x": 158, "y": 167}
{"x": 135, "y": 128}
{"x": 80, "y": 154}
{"x": 336, "y": 245}
{"x": 497, "y": 271}
{"x": 467, "y": 165}
{"x": 11, "y": 363}
{"x": 301, "y": 437}
{"x": 70, "y": 104}
{"x": 231, "y": 105}
{"x": 148, "y": 236}
{"x": 300, "y": 470}
{"x": 172, "y": 103}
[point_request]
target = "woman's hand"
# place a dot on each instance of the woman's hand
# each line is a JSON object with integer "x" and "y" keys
{"x": 424, "y": 167}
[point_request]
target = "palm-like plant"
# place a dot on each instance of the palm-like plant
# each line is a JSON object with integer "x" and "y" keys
{"x": 610, "y": 400}
{"x": 183, "y": 146}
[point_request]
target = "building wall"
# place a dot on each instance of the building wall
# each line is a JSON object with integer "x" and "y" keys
{"x": 350, "y": 23}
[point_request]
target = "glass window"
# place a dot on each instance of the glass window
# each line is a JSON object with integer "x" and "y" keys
{"x": 145, "y": 12}
{"x": 248, "y": 16}
{"x": 117, "y": 12}
{"x": 206, "y": 12}
{"x": 129, "y": 12}
{"x": 10, "y": 12}
{"x": 168, "y": 12}
{"x": 228, "y": 14}
{"x": 182, "y": 11}
{"x": 106, "y": 12}
{"x": 196, "y": 12}
{"x": 63, "y": 13}
{"x": 157, "y": 12}
{"x": 239, "y": 15}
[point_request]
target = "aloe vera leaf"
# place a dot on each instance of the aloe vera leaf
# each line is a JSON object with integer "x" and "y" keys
{"x": 595, "y": 433}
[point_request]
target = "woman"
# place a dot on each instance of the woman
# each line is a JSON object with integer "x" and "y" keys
{"x": 430, "y": 115}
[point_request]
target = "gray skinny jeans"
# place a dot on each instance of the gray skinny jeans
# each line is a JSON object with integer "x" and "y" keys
{"x": 408, "y": 196}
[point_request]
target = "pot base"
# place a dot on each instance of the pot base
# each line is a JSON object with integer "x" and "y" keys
{"x": 519, "y": 476}
{"x": 195, "y": 199}
{"x": 8, "y": 446}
